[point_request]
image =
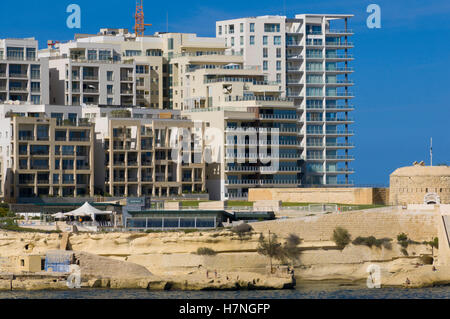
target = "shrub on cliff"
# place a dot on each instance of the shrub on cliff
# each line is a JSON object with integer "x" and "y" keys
{"x": 372, "y": 241}
{"x": 290, "y": 250}
{"x": 205, "y": 251}
{"x": 241, "y": 230}
{"x": 341, "y": 237}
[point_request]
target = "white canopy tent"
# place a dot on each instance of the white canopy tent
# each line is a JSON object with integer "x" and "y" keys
{"x": 59, "y": 215}
{"x": 87, "y": 210}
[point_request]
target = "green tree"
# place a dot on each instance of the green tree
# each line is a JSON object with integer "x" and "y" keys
{"x": 271, "y": 248}
{"x": 341, "y": 237}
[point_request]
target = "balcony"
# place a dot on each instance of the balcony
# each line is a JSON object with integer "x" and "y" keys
{"x": 340, "y": 83}
{"x": 340, "y": 171}
{"x": 341, "y": 108}
{"x": 18, "y": 89}
{"x": 295, "y": 57}
{"x": 315, "y": 157}
{"x": 39, "y": 167}
{"x": 278, "y": 117}
{"x": 337, "y": 95}
{"x": 256, "y": 182}
{"x": 90, "y": 77}
{"x": 340, "y": 133}
{"x": 339, "y": 57}
{"x": 126, "y": 92}
{"x": 314, "y": 56}
{"x": 337, "y": 70}
{"x": 18, "y": 75}
{"x": 90, "y": 90}
{"x": 340, "y": 45}
{"x": 340, "y": 145}
{"x": 340, "y": 120}
{"x": 340, "y": 157}
{"x": 339, "y": 31}
{"x": 294, "y": 43}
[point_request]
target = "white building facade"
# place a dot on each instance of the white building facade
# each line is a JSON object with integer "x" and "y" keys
{"x": 309, "y": 57}
{"x": 23, "y": 77}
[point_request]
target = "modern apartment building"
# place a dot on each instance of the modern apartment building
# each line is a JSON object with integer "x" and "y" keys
{"x": 147, "y": 54}
{"x": 140, "y": 153}
{"x": 45, "y": 156}
{"x": 309, "y": 57}
{"x": 84, "y": 73}
{"x": 23, "y": 77}
{"x": 253, "y": 132}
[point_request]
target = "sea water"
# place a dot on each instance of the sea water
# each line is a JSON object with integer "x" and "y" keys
{"x": 328, "y": 290}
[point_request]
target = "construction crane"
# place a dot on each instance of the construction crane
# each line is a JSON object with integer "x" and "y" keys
{"x": 51, "y": 44}
{"x": 140, "y": 25}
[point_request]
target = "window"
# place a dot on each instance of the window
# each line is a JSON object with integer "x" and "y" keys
{"x": 232, "y": 41}
{"x": 278, "y": 65}
{"x": 313, "y": 29}
{"x": 265, "y": 65}
{"x": 265, "y": 52}
{"x": 252, "y": 40}
{"x": 271, "y": 27}
{"x": 14, "y": 53}
{"x": 278, "y": 77}
{"x": 265, "y": 40}
{"x": 104, "y": 55}
{"x": 133, "y": 53}
{"x": 140, "y": 69}
{"x": 278, "y": 52}
{"x": 36, "y": 99}
{"x": 110, "y": 75}
{"x": 242, "y": 40}
{"x": 110, "y": 101}
{"x": 231, "y": 29}
{"x": 277, "y": 40}
{"x": 92, "y": 55}
{"x": 220, "y": 30}
{"x": 252, "y": 27}
{"x": 31, "y": 54}
{"x": 170, "y": 44}
{"x": 242, "y": 27}
{"x": 109, "y": 89}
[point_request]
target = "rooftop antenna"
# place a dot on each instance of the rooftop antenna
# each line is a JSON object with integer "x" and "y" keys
{"x": 431, "y": 151}
{"x": 167, "y": 22}
{"x": 139, "y": 26}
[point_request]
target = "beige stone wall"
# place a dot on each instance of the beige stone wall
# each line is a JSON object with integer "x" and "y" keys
{"x": 412, "y": 189}
{"x": 358, "y": 196}
{"x": 419, "y": 226}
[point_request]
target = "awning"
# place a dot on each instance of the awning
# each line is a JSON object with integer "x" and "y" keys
{"x": 87, "y": 210}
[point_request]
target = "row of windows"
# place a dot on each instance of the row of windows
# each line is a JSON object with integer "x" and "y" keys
{"x": 266, "y": 65}
{"x": 230, "y": 29}
{"x": 265, "y": 40}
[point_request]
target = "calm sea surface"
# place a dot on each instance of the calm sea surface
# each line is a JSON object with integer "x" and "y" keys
{"x": 303, "y": 291}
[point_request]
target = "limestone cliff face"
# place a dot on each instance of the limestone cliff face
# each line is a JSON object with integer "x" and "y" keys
{"x": 174, "y": 253}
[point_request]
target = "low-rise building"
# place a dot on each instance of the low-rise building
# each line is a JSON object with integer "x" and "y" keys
{"x": 139, "y": 153}
{"x": 46, "y": 156}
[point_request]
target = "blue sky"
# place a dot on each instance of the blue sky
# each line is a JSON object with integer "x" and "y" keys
{"x": 402, "y": 70}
